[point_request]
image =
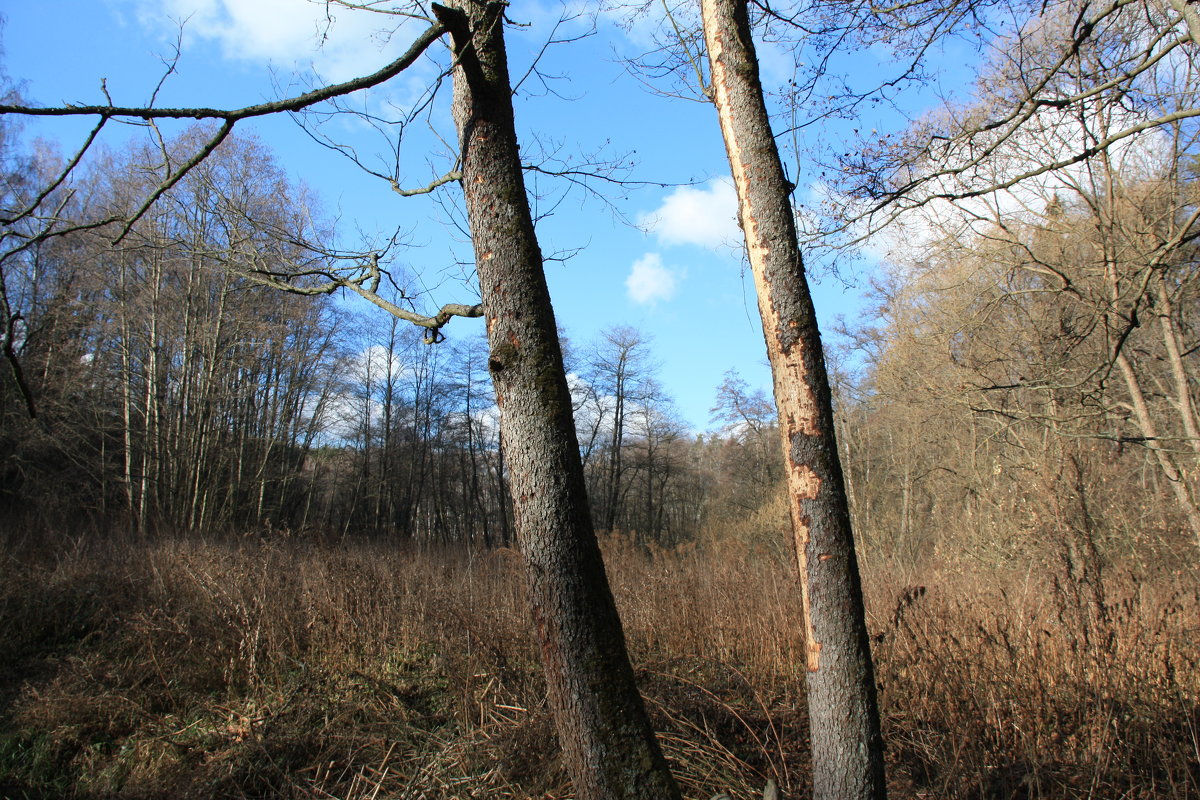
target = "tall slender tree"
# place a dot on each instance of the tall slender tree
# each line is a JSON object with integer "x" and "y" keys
{"x": 602, "y": 724}
{"x": 847, "y": 748}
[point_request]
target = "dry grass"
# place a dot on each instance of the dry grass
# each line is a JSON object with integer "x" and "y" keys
{"x": 280, "y": 668}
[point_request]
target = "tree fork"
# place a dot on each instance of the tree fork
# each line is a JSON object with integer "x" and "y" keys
{"x": 607, "y": 741}
{"x": 847, "y": 747}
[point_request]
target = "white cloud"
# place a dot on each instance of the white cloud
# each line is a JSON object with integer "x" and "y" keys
{"x": 376, "y": 363}
{"x": 704, "y": 215}
{"x": 908, "y": 234}
{"x": 646, "y": 27}
{"x": 287, "y": 33}
{"x": 650, "y": 281}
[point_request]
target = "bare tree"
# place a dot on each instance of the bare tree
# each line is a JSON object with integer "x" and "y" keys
{"x": 1065, "y": 186}
{"x": 1040, "y": 62}
{"x": 602, "y": 725}
{"x": 619, "y": 374}
{"x": 749, "y": 418}
{"x": 610, "y": 748}
{"x": 843, "y": 715}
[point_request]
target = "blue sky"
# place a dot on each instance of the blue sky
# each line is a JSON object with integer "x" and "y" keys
{"x": 672, "y": 268}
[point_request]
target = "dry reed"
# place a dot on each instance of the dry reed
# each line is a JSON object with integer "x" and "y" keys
{"x": 273, "y": 667}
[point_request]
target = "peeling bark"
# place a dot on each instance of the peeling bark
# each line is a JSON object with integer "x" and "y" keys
{"x": 847, "y": 748}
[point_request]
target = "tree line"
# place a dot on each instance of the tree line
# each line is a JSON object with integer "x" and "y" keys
{"x": 172, "y": 392}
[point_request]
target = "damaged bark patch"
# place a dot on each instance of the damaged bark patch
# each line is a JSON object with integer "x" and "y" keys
{"x": 803, "y": 486}
{"x": 503, "y": 354}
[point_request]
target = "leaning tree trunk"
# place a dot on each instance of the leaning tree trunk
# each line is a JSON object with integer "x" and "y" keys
{"x": 605, "y": 734}
{"x": 847, "y": 748}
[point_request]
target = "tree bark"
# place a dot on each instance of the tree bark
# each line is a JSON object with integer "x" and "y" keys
{"x": 847, "y": 748}
{"x": 1170, "y": 469}
{"x": 605, "y": 734}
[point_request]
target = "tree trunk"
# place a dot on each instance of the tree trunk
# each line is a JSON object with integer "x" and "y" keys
{"x": 612, "y": 493}
{"x": 1170, "y": 469}
{"x": 847, "y": 748}
{"x": 607, "y": 741}
{"x": 1172, "y": 341}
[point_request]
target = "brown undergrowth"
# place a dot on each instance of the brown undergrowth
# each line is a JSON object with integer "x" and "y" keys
{"x": 274, "y": 667}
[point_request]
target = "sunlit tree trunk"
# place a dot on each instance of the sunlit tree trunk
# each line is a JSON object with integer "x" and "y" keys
{"x": 1166, "y": 461}
{"x": 1142, "y": 415}
{"x": 131, "y": 493}
{"x": 608, "y": 744}
{"x": 1172, "y": 341}
{"x": 847, "y": 749}
{"x": 150, "y": 441}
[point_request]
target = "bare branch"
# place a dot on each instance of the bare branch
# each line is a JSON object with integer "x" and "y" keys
{"x": 1073, "y": 59}
{"x": 365, "y": 285}
{"x": 59, "y": 179}
{"x": 296, "y": 103}
{"x": 449, "y": 177}
{"x": 10, "y": 321}
{"x": 173, "y": 179}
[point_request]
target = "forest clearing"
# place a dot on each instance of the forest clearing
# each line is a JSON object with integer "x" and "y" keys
{"x": 270, "y": 666}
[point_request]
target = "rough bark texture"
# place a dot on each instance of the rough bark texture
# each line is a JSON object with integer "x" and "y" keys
{"x": 603, "y": 728}
{"x": 847, "y": 748}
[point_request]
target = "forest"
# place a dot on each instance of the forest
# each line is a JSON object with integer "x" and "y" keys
{"x": 263, "y": 536}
